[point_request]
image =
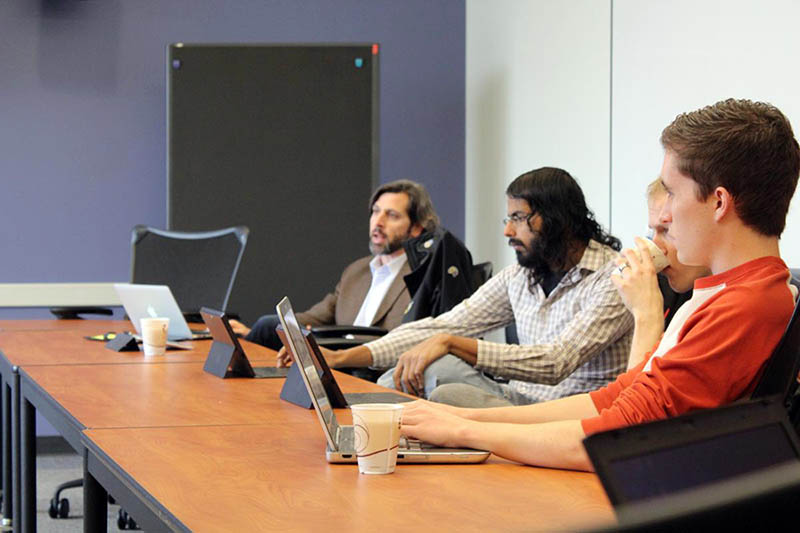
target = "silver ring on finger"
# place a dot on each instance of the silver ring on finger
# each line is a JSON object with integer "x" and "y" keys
{"x": 622, "y": 267}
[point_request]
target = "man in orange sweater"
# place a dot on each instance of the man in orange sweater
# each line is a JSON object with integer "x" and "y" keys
{"x": 730, "y": 171}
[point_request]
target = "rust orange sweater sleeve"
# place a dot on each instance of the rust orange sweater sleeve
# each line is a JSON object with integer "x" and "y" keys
{"x": 603, "y": 398}
{"x": 720, "y": 351}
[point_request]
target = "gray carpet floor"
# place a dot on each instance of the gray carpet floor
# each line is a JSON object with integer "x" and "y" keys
{"x": 52, "y": 468}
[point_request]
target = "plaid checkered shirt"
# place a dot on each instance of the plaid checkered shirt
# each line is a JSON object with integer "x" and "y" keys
{"x": 575, "y": 340}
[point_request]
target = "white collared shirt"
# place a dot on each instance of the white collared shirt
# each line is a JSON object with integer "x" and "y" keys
{"x": 382, "y": 278}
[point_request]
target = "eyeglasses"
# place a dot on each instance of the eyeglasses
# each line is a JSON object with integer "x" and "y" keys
{"x": 517, "y": 218}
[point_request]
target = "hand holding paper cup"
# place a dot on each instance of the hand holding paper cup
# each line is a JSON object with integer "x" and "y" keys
{"x": 154, "y": 335}
{"x": 377, "y": 435}
{"x": 660, "y": 260}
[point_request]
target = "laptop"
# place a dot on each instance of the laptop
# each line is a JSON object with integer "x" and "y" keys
{"x": 335, "y": 394}
{"x": 341, "y": 439}
{"x": 230, "y": 351}
{"x": 660, "y": 458}
{"x": 151, "y": 301}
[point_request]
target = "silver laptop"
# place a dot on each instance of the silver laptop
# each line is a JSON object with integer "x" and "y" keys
{"x": 151, "y": 301}
{"x": 341, "y": 439}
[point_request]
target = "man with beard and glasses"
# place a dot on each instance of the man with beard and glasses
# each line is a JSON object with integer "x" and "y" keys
{"x": 371, "y": 291}
{"x": 573, "y": 328}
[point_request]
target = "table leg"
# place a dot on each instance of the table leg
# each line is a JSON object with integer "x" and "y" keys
{"x": 27, "y": 518}
{"x": 5, "y": 391}
{"x": 95, "y": 501}
{"x": 15, "y": 452}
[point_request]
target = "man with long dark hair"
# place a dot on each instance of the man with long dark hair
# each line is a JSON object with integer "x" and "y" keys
{"x": 573, "y": 328}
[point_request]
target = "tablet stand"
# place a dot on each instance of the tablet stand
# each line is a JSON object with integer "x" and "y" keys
{"x": 294, "y": 389}
{"x": 225, "y": 360}
{"x": 123, "y": 343}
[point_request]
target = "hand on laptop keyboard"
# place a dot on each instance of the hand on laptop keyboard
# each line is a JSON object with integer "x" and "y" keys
{"x": 413, "y": 444}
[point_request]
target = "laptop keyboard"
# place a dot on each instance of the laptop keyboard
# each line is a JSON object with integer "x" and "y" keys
{"x": 355, "y": 398}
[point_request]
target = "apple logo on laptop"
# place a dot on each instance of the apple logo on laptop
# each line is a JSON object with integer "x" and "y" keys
{"x": 152, "y": 311}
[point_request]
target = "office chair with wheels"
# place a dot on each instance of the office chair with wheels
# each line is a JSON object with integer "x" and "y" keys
{"x": 200, "y": 269}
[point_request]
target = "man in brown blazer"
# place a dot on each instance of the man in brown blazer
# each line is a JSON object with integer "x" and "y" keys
{"x": 371, "y": 291}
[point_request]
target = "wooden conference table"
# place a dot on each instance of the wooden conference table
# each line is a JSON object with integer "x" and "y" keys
{"x": 34, "y": 343}
{"x": 183, "y": 450}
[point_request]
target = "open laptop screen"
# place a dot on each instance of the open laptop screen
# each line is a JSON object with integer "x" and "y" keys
{"x": 143, "y": 301}
{"x": 302, "y": 357}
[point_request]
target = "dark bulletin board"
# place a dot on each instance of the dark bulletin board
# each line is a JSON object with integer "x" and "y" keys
{"x": 282, "y": 139}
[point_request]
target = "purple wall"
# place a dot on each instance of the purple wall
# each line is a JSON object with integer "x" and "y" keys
{"x": 82, "y": 114}
{"x": 82, "y": 120}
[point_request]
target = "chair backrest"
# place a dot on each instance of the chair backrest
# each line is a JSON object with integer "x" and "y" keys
{"x": 199, "y": 267}
{"x": 481, "y": 274}
{"x": 759, "y": 501}
{"x": 780, "y": 374}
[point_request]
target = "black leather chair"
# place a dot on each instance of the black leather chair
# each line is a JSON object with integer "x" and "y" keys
{"x": 780, "y": 375}
{"x": 200, "y": 269}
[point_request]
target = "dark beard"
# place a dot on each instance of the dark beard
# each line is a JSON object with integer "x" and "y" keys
{"x": 533, "y": 258}
{"x": 390, "y": 247}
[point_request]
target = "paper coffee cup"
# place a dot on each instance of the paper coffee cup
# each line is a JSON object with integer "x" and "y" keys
{"x": 154, "y": 335}
{"x": 660, "y": 260}
{"x": 377, "y": 435}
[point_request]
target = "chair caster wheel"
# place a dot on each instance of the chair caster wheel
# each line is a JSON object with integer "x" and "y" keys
{"x": 58, "y": 509}
{"x": 125, "y": 521}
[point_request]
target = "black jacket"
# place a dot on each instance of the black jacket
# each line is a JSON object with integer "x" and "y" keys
{"x": 441, "y": 274}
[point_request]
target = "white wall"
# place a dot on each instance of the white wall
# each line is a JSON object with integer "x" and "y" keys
{"x": 537, "y": 95}
{"x": 538, "y": 76}
{"x": 679, "y": 55}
